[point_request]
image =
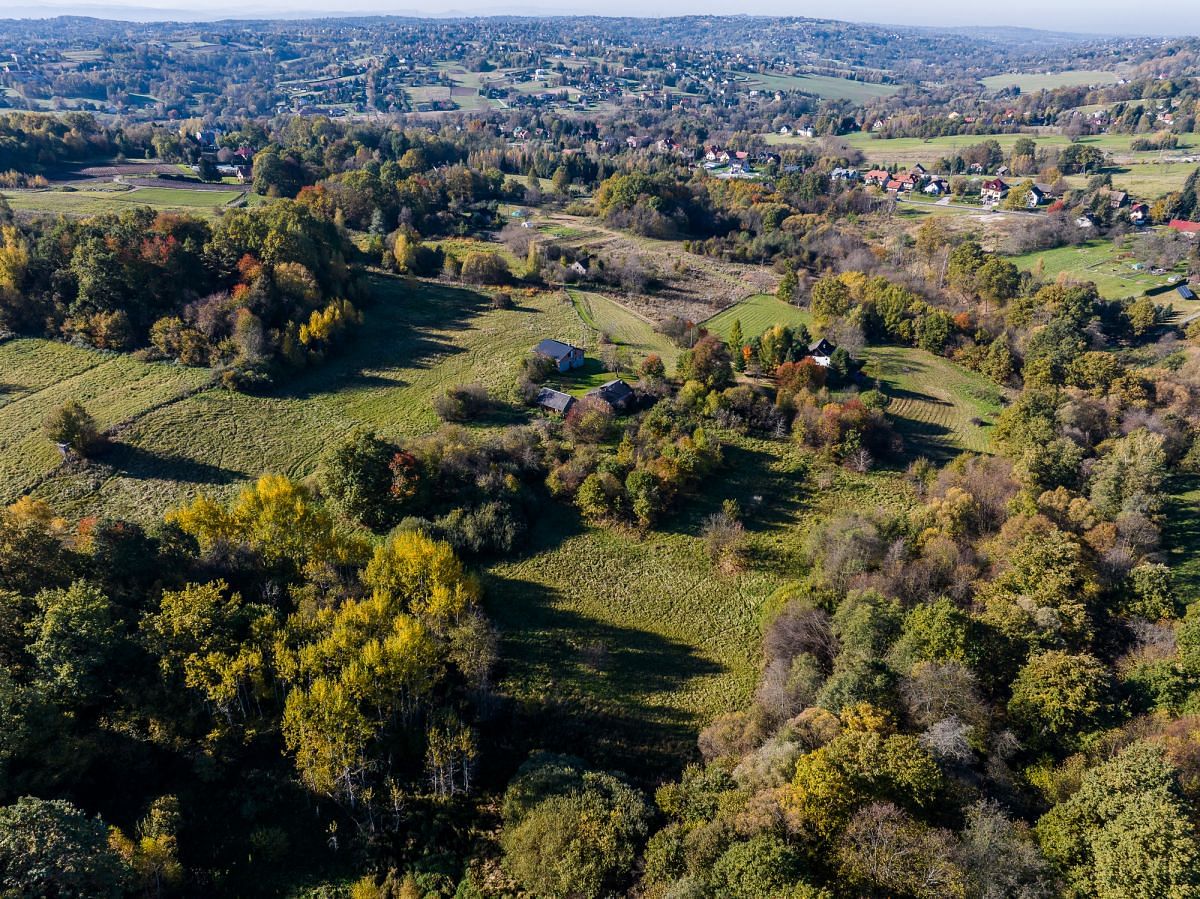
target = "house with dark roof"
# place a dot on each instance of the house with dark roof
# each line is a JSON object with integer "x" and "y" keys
{"x": 616, "y": 393}
{"x": 821, "y": 350}
{"x": 563, "y": 355}
{"x": 555, "y": 400}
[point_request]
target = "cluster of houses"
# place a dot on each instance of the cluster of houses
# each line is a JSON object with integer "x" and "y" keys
{"x": 618, "y": 394}
{"x": 567, "y": 357}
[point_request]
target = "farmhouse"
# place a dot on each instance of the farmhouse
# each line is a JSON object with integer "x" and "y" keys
{"x": 1116, "y": 198}
{"x": 563, "y": 355}
{"x": 820, "y": 351}
{"x": 616, "y": 393}
{"x": 1190, "y": 229}
{"x": 994, "y": 190}
{"x": 937, "y": 187}
{"x": 878, "y": 177}
{"x": 555, "y": 400}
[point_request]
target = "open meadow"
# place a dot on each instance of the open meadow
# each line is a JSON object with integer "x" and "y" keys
{"x": 103, "y": 200}
{"x": 1029, "y": 82}
{"x": 758, "y": 313}
{"x": 1111, "y": 267}
{"x": 939, "y": 408}
{"x": 599, "y": 626}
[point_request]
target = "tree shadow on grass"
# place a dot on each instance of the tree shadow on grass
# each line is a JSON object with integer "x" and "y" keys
{"x": 133, "y": 462}
{"x": 398, "y": 333}
{"x": 588, "y": 687}
{"x": 1181, "y": 534}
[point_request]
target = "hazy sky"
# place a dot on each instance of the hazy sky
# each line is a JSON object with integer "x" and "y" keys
{"x": 1166, "y": 17}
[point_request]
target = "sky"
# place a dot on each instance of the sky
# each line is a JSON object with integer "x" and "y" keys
{"x": 1172, "y": 18}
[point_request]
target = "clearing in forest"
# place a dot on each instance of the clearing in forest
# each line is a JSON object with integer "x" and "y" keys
{"x": 939, "y": 408}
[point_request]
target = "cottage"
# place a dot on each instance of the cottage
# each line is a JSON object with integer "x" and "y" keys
{"x": 1139, "y": 213}
{"x": 1188, "y": 229}
{"x": 919, "y": 171}
{"x": 555, "y": 400}
{"x": 616, "y": 393}
{"x": 878, "y": 177}
{"x": 1116, "y": 198}
{"x": 1036, "y": 197}
{"x": 563, "y": 355}
{"x": 840, "y": 174}
{"x": 937, "y": 187}
{"x": 579, "y": 268}
{"x": 994, "y": 190}
{"x": 896, "y": 186}
{"x": 820, "y": 351}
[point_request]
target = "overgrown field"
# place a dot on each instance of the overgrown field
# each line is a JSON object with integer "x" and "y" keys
{"x": 691, "y": 286}
{"x": 757, "y": 314}
{"x": 938, "y": 407}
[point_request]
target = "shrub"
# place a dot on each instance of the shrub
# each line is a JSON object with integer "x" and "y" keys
{"x": 72, "y": 426}
{"x": 484, "y": 268}
{"x": 462, "y": 403}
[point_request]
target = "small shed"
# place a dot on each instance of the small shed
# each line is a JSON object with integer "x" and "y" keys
{"x": 555, "y": 400}
{"x": 1185, "y": 292}
{"x": 616, "y": 393}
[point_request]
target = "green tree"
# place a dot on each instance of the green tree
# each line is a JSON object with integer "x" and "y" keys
{"x": 1129, "y": 477}
{"x": 736, "y": 341}
{"x": 72, "y": 426}
{"x": 73, "y": 640}
{"x": 50, "y": 848}
{"x": 579, "y": 839}
{"x": 1126, "y": 833}
{"x": 356, "y": 478}
{"x": 1058, "y": 696}
{"x": 788, "y": 285}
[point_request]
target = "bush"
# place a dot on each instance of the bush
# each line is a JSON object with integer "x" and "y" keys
{"x": 484, "y": 268}
{"x": 462, "y": 403}
{"x": 72, "y": 426}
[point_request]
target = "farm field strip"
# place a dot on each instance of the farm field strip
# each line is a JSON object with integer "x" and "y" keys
{"x": 758, "y": 313}
{"x": 939, "y": 408}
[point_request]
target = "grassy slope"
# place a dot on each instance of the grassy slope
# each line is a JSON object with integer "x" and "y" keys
{"x": 1181, "y": 536}
{"x": 623, "y": 326}
{"x": 97, "y": 202}
{"x": 1099, "y": 261}
{"x": 824, "y": 86}
{"x": 935, "y": 404}
{"x": 38, "y": 376}
{"x": 1036, "y": 81}
{"x": 419, "y": 340}
{"x": 757, "y": 314}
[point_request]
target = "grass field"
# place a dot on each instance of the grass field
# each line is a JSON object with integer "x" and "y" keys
{"x": 419, "y": 339}
{"x": 938, "y": 407}
{"x": 824, "y": 86}
{"x": 1029, "y": 82}
{"x": 37, "y": 376}
{"x": 637, "y": 634}
{"x": 624, "y": 327}
{"x": 757, "y": 314}
{"x": 97, "y": 202}
{"x": 1181, "y": 536}
{"x": 1099, "y": 261}
{"x": 628, "y": 645}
